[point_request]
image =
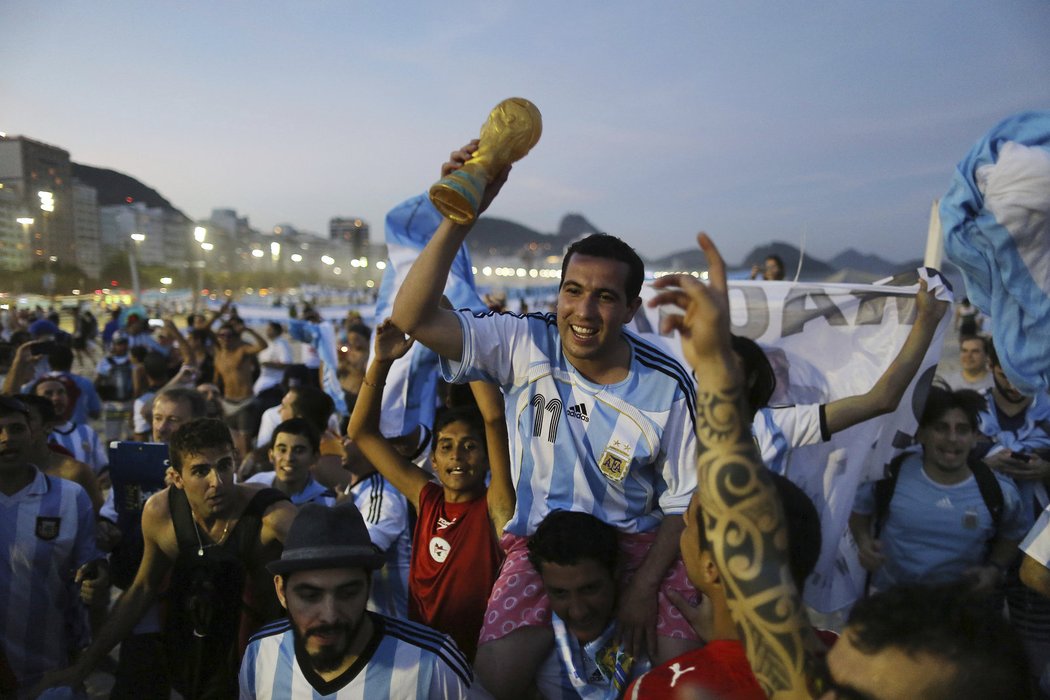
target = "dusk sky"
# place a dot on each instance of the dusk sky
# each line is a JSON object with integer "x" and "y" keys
{"x": 754, "y": 121}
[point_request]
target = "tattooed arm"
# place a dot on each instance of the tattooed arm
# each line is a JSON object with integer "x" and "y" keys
{"x": 743, "y": 522}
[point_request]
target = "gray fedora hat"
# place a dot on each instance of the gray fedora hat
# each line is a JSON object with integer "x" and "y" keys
{"x": 327, "y": 538}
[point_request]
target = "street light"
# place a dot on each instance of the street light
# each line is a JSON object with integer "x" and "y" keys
{"x": 165, "y": 281}
{"x": 207, "y": 246}
{"x": 133, "y": 255}
{"x": 257, "y": 253}
{"x": 25, "y": 220}
{"x": 199, "y": 233}
{"x": 327, "y": 259}
{"x": 296, "y": 257}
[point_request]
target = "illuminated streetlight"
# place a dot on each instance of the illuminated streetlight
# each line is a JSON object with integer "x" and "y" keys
{"x": 275, "y": 250}
{"x": 199, "y": 234}
{"x": 138, "y": 237}
{"x": 25, "y": 220}
{"x": 327, "y": 259}
{"x": 207, "y": 246}
{"x": 257, "y": 253}
{"x": 165, "y": 281}
{"x": 381, "y": 265}
{"x": 296, "y": 257}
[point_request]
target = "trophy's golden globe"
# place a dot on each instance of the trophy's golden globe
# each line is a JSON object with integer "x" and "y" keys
{"x": 513, "y": 128}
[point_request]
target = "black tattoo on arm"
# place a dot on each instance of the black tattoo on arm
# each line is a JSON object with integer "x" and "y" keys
{"x": 746, "y": 534}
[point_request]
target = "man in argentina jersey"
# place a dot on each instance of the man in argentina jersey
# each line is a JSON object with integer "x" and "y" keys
{"x": 386, "y": 515}
{"x": 778, "y": 430}
{"x": 599, "y": 421}
{"x": 331, "y": 646}
{"x": 47, "y": 537}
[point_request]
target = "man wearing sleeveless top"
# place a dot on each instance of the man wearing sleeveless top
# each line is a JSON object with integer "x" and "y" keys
{"x": 212, "y": 538}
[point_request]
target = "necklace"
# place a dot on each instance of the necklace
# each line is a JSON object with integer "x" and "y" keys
{"x": 200, "y": 543}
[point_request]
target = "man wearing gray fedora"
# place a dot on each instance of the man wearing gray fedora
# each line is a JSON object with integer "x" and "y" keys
{"x": 330, "y": 645}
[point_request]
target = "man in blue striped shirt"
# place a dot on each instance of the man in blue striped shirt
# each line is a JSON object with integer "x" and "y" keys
{"x": 331, "y": 646}
{"x": 49, "y": 564}
{"x": 599, "y": 421}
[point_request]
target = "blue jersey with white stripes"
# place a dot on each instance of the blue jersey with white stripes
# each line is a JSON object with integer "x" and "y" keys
{"x": 385, "y": 512}
{"x": 624, "y": 452}
{"x": 83, "y": 443}
{"x": 47, "y": 532}
{"x": 402, "y": 660}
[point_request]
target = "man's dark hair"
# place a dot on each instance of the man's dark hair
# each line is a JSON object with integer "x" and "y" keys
{"x": 948, "y": 622}
{"x": 312, "y": 404}
{"x": 993, "y": 356}
{"x": 276, "y": 327}
{"x": 156, "y": 366}
{"x": 939, "y": 401}
{"x": 43, "y": 407}
{"x": 969, "y": 336}
{"x": 602, "y": 245}
{"x": 360, "y": 329}
{"x": 468, "y": 414}
{"x": 568, "y": 537}
{"x": 300, "y": 427}
{"x": 803, "y": 528}
{"x": 11, "y": 406}
{"x": 759, "y": 377}
{"x": 195, "y": 436}
{"x": 198, "y": 407}
{"x": 60, "y": 358}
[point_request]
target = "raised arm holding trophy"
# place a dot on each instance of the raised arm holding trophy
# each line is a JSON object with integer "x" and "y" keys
{"x": 513, "y": 128}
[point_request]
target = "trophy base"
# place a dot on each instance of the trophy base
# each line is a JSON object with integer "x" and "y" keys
{"x": 458, "y": 195}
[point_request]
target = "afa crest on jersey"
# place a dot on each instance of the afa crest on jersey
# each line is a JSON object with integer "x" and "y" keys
{"x": 615, "y": 461}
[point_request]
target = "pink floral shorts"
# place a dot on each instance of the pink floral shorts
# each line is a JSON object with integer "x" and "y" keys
{"x": 518, "y": 599}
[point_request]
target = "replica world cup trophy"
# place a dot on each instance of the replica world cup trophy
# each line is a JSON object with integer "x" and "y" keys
{"x": 513, "y": 128}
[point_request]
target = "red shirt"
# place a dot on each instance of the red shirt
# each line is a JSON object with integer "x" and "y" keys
{"x": 720, "y": 668}
{"x": 455, "y": 560}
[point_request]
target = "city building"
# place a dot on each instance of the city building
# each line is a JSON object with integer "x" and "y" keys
{"x": 41, "y": 177}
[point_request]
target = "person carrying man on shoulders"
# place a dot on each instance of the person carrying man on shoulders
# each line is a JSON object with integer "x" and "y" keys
{"x": 614, "y": 413}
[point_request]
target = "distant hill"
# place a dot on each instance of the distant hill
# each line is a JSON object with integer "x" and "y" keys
{"x": 493, "y": 236}
{"x": 118, "y": 188}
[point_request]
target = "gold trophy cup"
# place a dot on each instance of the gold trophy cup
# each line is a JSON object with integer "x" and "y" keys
{"x": 513, "y": 128}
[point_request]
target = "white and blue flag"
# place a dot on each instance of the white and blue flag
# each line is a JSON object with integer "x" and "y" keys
{"x": 996, "y": 219}
{"x": 411, "y": 389}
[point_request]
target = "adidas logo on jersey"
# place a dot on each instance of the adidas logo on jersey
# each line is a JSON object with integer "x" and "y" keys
{"x": 578, "y": 411}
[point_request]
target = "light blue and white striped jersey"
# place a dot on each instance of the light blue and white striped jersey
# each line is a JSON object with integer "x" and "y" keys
{"x": 313, "y": 492}
{"x": 47, "y": 532}
{"x": 385, "y": 511}
{"x": 624, "y": 452}
{"x": 83, "y": 443}
{"x": 403, "y": 660}
{"x": 779, "y": 430}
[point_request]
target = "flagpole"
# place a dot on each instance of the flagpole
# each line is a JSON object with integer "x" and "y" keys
{"x": 934, "y": 238}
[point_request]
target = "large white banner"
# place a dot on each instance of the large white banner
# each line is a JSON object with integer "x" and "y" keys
{"x": 826, "y": 342}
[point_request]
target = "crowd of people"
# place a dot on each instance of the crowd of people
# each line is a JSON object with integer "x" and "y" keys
{"x": 588, "y": 518}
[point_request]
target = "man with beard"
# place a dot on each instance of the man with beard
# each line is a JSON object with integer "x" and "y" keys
{"x": 330, "y": 645}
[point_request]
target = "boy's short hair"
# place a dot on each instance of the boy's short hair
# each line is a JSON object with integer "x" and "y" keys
{"x": 43, "y": 407}
{"x": 312, "y": 404}
{"x": 300, "y": 427}
{"x": 939, "y": 401}
{"x": 567, "y": 537}
{"x": 467, "y": 414}
{"x": 195, "y": 436}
